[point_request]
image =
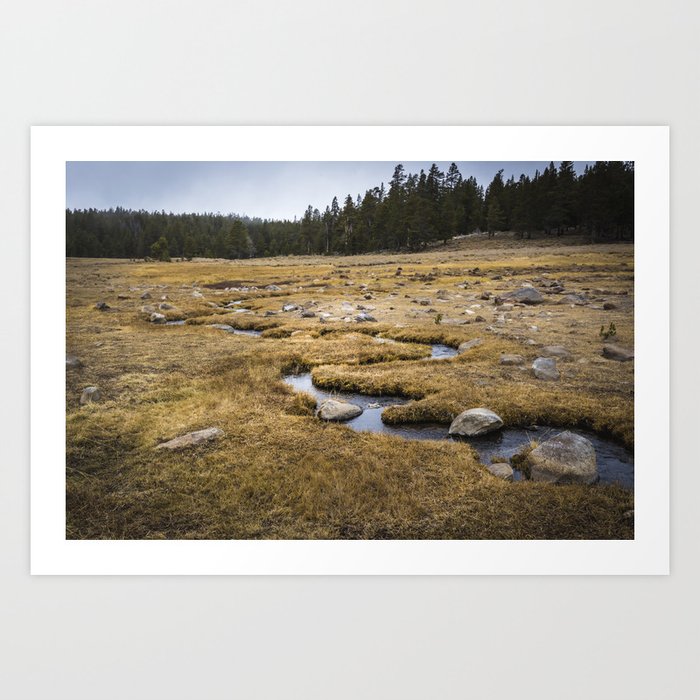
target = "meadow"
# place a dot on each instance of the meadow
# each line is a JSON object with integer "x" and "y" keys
{"x": 277, "y": 471}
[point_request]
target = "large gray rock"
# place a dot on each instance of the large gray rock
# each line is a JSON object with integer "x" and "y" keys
{"x": 364, "y": 317}
{"x": 502, "y": 470}
{"x": 475, "y": 421}
{"x": 617, "y": 352}
{"x": 524, "y": 295}
{"x": 566, "y": 458}
{"x": 468, "y": 345}
{"x": 332, "y": 409}
{"x": 545, "y": 368}
{"x": 198, "y": 437}
{"x": 165, "y": 306}
{"x": 91, "y": 394}
{"x": 507, "y": 359}
{"x": 155, "y": 317}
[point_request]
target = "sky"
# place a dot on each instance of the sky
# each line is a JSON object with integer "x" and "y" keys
{"x": 266, "y": 189}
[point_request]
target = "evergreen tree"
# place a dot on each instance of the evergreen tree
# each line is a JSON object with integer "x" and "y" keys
{"x": 159, "y": 250}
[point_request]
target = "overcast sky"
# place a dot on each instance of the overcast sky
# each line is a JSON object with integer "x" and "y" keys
{"x": 273, "y": 190}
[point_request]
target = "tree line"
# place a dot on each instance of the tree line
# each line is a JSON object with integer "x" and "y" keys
{"x": 415, "y": 210}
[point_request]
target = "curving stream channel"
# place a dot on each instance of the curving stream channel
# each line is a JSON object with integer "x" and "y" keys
{"x": 615, "y": 463}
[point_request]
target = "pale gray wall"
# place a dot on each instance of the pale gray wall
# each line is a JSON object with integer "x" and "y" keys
{"x": 306, "y": 62}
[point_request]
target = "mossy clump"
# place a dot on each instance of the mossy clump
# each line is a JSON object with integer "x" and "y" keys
{"x": 520, "y": 460}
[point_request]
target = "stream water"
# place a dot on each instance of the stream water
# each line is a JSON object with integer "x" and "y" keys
{"x": 615, "y": 463}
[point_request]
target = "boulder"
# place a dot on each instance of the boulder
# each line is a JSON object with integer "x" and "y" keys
{"x": 502, "y": 470}
{"x": 512, "y": 359}
{"x": 155, "y": 317}
{"x": 198, "y": 437}
{"x": 91, "y": 394}
{"x": 468, "y": 345}
{"x": 566, "y": 458}
{"x": 289, "y": 307}
{"x": 364, "y": 317}
{"x": 609, "y": 306}
{"x": 524, "y": 295}
{"x": 165, "y": 307}
{"x": 332, "y": 409}
{"x": 617, "y": 352}
{"x": 545, "y": 368}
{"x": 475, "y": 421}
{"x": 307, "y": 314}
{"x": 146, "y": 295}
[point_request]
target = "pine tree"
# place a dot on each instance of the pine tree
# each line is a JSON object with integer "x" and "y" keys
{"x": 159, "y": 250}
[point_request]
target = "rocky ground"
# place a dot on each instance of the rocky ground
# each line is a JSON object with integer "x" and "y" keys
{"x": 544, "y": 332}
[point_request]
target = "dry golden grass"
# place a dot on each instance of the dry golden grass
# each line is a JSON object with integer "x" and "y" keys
{"x": 280, "y": 473}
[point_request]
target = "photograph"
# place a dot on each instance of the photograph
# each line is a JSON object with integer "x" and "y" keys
{"x": 350, "y": 349}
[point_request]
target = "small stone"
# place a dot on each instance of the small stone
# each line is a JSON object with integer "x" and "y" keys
{"x": 525, "y": 295}
{"x": 146, "y": 295}
{"x": 72, "y": 362}
{"x": 609, "y": 306}
{"x": 165, "y": 307}
{"x": 616, "y": 352}
{"x": 197, "y": 295}
{"x": 289, "y": 307}
{"x": 155, "y": 317}
{"x": 307, "y": 314}
{"x": 555, "y": 351}
{"x": 502, "y": 470}
{"x": 273, "y": 288}
{"x": 574, "y": 299}
{"x": 334, "y": 410}
{"x": 102, "y": 306}
{"x": 91, "y": 394}
{"x": 468, "y": 345}
{"x": 545, "y": 368}
{"x": 198, "y": 437}
{"x": 512, "y": 360}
